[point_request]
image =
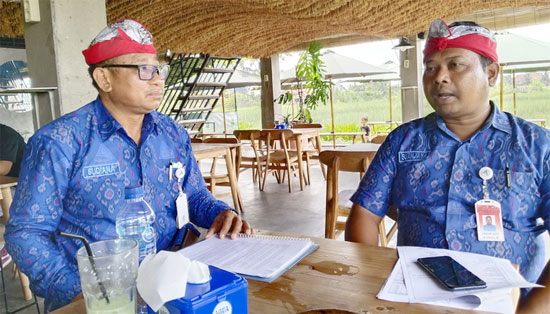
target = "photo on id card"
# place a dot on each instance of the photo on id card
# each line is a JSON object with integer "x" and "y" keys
{"x": 489, "y": 220}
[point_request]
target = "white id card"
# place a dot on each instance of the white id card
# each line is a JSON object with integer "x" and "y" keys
{"x": 182, "y": 217}
{"x": 181, "y": 202}
{"x": 489, "y": 220}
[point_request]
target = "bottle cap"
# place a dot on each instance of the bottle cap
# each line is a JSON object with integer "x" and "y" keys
{"x": 131, "y": 192}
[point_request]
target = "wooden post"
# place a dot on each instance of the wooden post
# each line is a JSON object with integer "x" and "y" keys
{"x": 514, "y": 91}
{"x": 391, "y": 113}
{"x": 223, "y": 110}
{"x": 332, "y": 115}
{"x": 502, "y": 88}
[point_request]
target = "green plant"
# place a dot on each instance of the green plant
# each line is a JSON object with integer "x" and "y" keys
{"x": 311, "y": 87}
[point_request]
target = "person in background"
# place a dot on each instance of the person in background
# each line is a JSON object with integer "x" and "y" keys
{"x": 436, "y": 168}
{"x": 365, "y": 128}
{"x": 12, "y": 147}
{"x": 76, "y": 168}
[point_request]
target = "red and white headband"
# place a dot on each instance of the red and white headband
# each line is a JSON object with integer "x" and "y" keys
{"x": 472, "y": 37}
{"x": 117, "y": 39}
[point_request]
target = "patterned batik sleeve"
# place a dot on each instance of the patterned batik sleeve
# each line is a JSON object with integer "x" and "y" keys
{"x": 545, "y": 194}
{"x": 35, "y": 214}
{"x": 203, "y": 206}
{"x": 374, "y": 191}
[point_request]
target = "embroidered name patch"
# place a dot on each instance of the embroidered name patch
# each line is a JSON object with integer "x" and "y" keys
{"x": 100, "y": 170}
{"x": 413, "y": 156}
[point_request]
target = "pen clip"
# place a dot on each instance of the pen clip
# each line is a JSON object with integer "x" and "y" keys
{"x": 170, "y": 172}
{"x": 508, "y": 176}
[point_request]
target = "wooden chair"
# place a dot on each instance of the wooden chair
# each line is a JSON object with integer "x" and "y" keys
{"x": 252, "y": 157}
{"x": 280, "y": 159}
{"x": 307, "y": 126}
{"x": 214, "y": 179}
{"x": 337, "y": 204}
{"x": 310, "y": 152}
{"x": 379, "y": 139}
{"x": 196, "y": 140}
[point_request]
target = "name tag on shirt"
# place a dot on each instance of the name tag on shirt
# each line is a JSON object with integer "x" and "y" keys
{"x": 412, "y": 156}
{"x": 489, "y": 220}
{"x": 100, "y": 170}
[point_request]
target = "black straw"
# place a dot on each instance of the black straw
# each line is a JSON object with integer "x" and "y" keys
{"x": 90, "y": 257}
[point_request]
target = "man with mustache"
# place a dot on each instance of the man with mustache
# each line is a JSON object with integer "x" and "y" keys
{"x": 437, "y": 170}
{"x": 76, "y": 168}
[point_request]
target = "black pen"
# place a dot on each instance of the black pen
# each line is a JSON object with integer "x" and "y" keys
{"x": 508, "y": 179}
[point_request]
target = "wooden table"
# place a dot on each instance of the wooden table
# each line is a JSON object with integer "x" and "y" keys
{"x": 390, "y": 125}
{"x": 338, "y": 275}
{"x": 354, "y": 135}
{"x": 542, "y": 122}
{"x": 211, "y": 150}
{"x": 359, "y": 147}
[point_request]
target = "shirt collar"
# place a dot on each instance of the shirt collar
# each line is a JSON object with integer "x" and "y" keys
{"x": 497, "y": 119}
{"x": 108, "y": 125}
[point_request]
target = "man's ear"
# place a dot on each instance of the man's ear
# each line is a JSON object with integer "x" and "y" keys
{"x": 102, "y": 78}
{"x": 493, "y": 70}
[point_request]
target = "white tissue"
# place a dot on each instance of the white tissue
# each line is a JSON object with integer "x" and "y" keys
{"x": 163, "y": 277}
{"x": 198, "y": 272}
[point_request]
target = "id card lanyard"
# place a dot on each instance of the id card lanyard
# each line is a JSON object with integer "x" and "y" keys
{"x": 488, "y": 212}
{"x": 182, "y": 208}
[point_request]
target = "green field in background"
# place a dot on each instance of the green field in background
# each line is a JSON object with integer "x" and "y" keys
{"x": 532, "y": 103}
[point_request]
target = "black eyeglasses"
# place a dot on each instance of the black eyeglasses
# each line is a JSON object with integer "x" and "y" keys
{"x": 146, "y": 71}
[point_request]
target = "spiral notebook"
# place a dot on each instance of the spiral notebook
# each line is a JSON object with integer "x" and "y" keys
{"x": 257, "y": 257}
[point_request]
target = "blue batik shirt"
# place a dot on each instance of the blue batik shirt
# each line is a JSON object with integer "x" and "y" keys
{"x": 427, "y": 172}
{"x": 73, "y": 177}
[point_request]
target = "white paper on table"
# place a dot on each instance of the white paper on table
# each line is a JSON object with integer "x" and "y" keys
{"x": 395, "y": 290}
{"x": 496, "y": 272}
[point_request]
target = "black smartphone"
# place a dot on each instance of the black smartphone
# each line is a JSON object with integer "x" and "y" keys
{"x": 451, "y": 274}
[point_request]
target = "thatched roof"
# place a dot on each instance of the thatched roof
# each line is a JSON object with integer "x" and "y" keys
{"x": 259, "y": 28}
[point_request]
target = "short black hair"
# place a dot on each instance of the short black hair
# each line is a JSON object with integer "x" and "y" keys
{"x": 485, "y": 62}
{"x": 91, "y": 69}
{"x": 467, "y": 23}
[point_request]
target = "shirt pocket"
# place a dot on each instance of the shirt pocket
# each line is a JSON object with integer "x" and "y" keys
{"x": 523, "y": 201}
{"x": 519, "y": 202}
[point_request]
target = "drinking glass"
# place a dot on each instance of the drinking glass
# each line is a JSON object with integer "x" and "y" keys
{"x": 108, "y": 277}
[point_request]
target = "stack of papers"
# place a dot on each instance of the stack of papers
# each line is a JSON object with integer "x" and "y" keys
{"x": 258, "y": 257}
{"x": 408, "y": 282}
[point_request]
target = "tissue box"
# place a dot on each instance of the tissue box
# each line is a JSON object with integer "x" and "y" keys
{"x": 225, "y": 293}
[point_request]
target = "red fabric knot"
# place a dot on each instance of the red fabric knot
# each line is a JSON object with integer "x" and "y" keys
{"x": 442, "y": 43}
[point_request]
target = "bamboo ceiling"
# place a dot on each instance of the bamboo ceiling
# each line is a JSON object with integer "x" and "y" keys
{"x": 259, "y": 28}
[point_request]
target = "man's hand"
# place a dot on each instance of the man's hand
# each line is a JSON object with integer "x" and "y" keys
{"x": 228, "y": 222}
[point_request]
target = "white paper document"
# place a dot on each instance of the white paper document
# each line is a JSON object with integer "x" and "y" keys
{"x": 259, "y": 257}
{"x": 408, "y": 282}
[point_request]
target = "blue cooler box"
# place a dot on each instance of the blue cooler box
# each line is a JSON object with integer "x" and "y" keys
{"x": 225, "y": 293}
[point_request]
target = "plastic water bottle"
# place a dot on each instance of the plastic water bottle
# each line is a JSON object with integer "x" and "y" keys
{"x": 136, "y": 220}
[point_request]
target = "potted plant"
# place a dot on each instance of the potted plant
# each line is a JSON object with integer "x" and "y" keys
{"x": 311, "y": 88}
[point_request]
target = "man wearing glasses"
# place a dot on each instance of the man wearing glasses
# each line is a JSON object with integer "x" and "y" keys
{"x": 76, "y": 168}
{"x": 468, "y": 157}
